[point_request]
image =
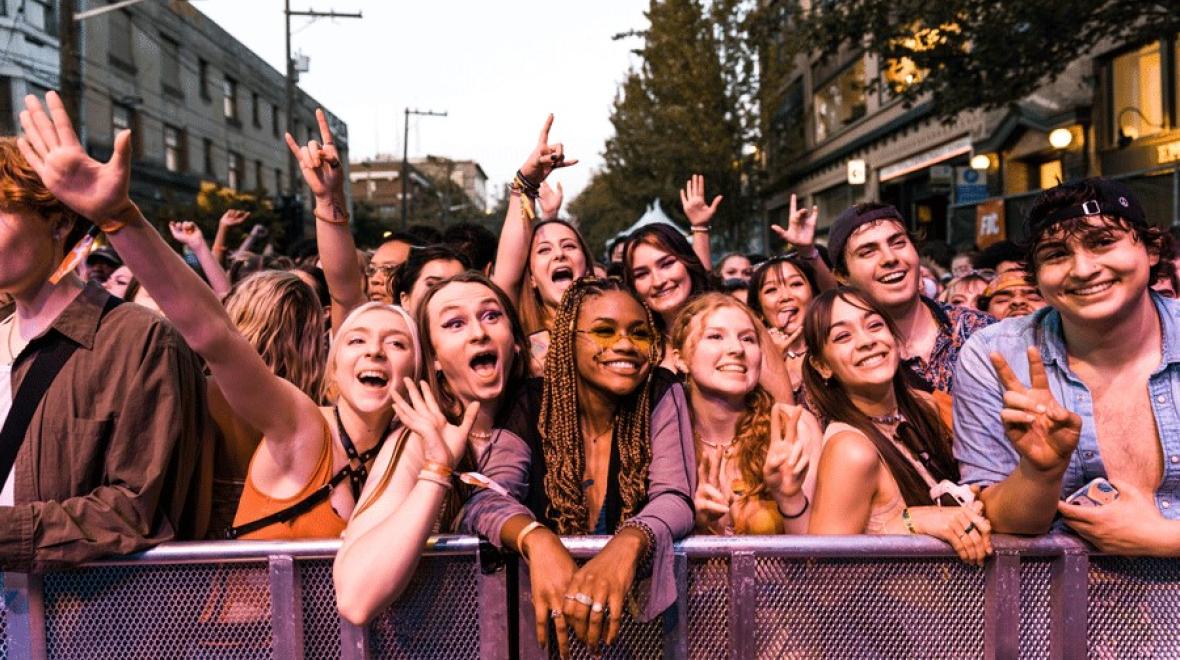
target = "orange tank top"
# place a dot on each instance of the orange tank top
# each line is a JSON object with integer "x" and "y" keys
{"x": 320, "y": 522}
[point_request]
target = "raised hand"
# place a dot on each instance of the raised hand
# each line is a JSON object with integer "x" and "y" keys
{"x": 444, "y": 442}
{"x": 710, "y": 503}
{"x": 233, "y": 218}
{"x": 550, "y": 199}
{"x": 800, "y": 229}
{"x": 187, "y": 234}
{"x": 692, "y": 200}
{"x": 320, "y": 165}
{"x": 786, "y": 462}
{"x": 96, "y": 191}
{"x": 1044, "y": 432}
{"x": 545, "y": 157}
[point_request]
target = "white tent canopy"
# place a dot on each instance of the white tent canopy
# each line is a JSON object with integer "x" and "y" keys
{"x": 654, "y": 214}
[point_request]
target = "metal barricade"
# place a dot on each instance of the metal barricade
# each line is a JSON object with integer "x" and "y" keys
{"x": 737, "y": 597}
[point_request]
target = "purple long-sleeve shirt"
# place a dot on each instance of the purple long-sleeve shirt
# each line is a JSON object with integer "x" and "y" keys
{"x": 668, "y": 512}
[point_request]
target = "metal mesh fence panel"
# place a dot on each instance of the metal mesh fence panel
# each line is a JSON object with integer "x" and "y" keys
{"x": 708, "y": 608}
{"x": 321, "y": 623}
{"x": 1035, "y": 578}
{"x": 636, "y": 640}
{"x": 159, "y": 611}
{"x": 1133, "y": 608}
{"x": 850, "y": 608}
{"x": 3, "y": 619}
{"x": 436, "y": 617}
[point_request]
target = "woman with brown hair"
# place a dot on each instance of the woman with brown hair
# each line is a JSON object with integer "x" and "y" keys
{"x": 602, "y": 446}
{"x": 752, "y": 454}
{"x": 539, "y": 256}
{"x": 781, "y": 289}
{"x": 886, "y": 451}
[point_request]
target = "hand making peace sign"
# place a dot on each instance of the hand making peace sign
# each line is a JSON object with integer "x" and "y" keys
{"x": 786, "y": 462}
{"x": 1044, "y": 432}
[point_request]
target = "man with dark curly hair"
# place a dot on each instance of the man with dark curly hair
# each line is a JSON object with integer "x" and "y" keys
{"x": 1087, "y": 387}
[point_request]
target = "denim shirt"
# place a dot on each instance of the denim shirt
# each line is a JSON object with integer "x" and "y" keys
{"x": 984, "y": 453}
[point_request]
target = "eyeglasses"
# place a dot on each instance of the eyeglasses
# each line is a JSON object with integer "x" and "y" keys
{"x": 385, "y": 269}
{"x": 607, "y": 338}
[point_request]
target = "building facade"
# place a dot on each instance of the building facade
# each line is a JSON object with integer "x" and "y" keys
{"x": 970, "y": 182}
{"x": 377, "y": 182}
{"x": 201, "y": 105}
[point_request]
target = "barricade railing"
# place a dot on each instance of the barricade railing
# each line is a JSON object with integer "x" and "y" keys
{"x": 737, "y": 597}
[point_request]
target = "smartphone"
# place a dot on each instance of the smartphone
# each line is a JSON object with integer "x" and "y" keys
{"x": 1095, "y": 493}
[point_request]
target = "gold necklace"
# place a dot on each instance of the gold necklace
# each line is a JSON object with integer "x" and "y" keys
{"x": 727, "y": 448}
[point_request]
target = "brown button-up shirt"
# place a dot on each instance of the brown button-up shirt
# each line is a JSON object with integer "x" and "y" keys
{"x": 108, "y": 462}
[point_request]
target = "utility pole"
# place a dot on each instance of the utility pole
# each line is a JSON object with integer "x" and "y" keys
{"x": 295, "y": 183}
{"x": 406, "y": 161}
{"x": 69, "y": 61}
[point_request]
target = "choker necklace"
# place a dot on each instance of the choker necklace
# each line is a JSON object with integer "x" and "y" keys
{"x": 888, "y": 420}
{"x": 727, "y": 448}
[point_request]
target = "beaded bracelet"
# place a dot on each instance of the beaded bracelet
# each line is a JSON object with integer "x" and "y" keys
{"x": 650, "y": 551}
{"x": 909, "y": 522}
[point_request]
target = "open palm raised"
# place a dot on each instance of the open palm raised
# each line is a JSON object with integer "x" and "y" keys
{"x": 94, "y": 190}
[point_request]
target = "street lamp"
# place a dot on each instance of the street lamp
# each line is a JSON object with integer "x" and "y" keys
{"x": 981, "y": 162}
{"x": 1060, "y": 138}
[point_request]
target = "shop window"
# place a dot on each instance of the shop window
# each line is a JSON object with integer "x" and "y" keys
{"x": 789, "y": 125}
{"x": 1050, "y": 174}
{"x": 173, "y": 149}
{"x": 1138, "y": 108}
{"x": 840, "y": 101}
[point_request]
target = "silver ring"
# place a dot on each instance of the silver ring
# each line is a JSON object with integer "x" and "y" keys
{"x": 969, "y": 528}
{"x": 597, "y": 608}
{"x": 556, "y": 614}
{"x": 581, "y": 598}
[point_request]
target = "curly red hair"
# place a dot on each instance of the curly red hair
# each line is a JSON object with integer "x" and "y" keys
{"x": 22, "y": 188}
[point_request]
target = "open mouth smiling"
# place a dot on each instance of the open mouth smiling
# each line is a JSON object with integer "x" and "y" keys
{"x": 563, "y": 275}
{"x": 373, "y": 379}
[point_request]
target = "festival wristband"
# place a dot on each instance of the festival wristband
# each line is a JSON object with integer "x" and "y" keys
{"x": 74, "y": 257}
{"x": 113, "y": 223}
{"x": 529, "y": 528}
{"x": 439, "y": 469}
{"x": 433, "y": 477}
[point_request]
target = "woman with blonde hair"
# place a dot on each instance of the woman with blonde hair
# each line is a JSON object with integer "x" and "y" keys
{"x": 753, "y": 455}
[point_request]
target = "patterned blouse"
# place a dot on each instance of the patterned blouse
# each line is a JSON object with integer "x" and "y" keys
{"x": 956, "y": 323}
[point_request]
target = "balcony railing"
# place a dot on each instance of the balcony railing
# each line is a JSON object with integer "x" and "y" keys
{"x": 738, "y": 597}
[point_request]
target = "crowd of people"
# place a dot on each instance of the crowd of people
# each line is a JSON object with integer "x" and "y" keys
{"x": 518, "y": 388}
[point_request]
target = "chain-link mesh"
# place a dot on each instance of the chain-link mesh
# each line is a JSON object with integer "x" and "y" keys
{"x": 708, "y": 608}
{"x": 3, "y": 619}
{"x": 1134, "y": 608}
{"x": 436, "y": 617}
{"x": 159, "y": 611}
{"x": 846, "y": 608}
{"x": 1035, "y": 578}
{"x": 321, "y": 622}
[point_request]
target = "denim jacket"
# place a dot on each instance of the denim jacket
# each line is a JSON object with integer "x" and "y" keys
{"x": 984, "y": 453}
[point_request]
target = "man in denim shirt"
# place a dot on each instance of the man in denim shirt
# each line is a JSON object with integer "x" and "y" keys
{"x": 1088, "y": 387}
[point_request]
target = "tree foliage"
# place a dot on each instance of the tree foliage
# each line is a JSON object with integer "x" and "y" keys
{"x": 966, "y": 54}
{"x": 674, "y": 115}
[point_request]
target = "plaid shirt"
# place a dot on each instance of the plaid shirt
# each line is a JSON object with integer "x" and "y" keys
{"x": 955, "y": 325}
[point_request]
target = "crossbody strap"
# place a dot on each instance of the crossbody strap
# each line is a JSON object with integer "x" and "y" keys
{"x": 53, "y": 351}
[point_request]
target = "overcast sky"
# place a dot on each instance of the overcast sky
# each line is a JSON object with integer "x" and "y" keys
{"x": 496, "y": 67}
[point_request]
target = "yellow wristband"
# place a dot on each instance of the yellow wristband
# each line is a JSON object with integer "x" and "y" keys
{"x": 112, "y": 224}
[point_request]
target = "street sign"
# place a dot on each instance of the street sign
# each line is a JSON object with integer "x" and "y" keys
{"x": 856, "y": 172}
{"x": 970, "y": 185}
{"x": 989, "y": 223}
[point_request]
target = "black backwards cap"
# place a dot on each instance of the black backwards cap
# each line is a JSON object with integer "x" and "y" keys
{"x": 1111, "y": 198}
{"x": 848, "y": 222}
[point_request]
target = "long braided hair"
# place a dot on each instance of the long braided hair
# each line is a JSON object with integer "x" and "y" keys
{"x": 561, "y": 434}
{"x": 752, "y": 432}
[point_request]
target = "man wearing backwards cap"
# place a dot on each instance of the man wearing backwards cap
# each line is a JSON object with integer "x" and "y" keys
{"x": 1010, "y": 295}
{"x": 872, "y": 251}
{"x": 1087, "y": 387}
